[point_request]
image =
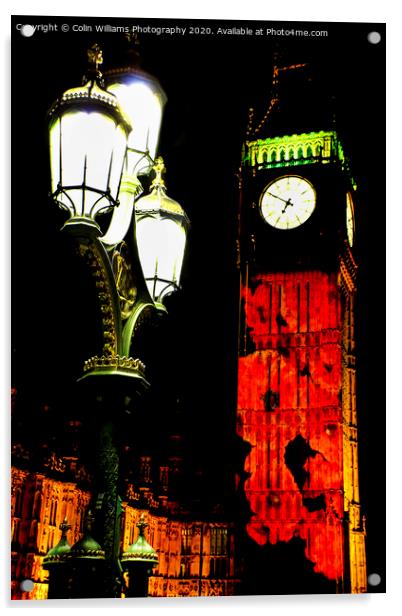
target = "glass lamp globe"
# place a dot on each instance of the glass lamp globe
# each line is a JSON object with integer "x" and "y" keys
{"x": 142, "y": 99}
{"x": 88, "y": 139}
{"x": 161, "y": 231}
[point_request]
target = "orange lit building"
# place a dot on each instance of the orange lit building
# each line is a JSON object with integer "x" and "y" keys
{"x": 196, "y": 557}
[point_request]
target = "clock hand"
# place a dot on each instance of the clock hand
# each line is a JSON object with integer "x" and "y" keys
{"x": 287, "y": 203}
{"x": 276, "y": 197}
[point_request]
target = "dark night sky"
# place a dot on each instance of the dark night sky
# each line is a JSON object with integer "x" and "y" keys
{"x": 210, "y": 83}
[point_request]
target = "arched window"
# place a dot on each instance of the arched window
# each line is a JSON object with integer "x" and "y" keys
{"x": 15, "y": 530}
{"x": 317, "y": 149}
{"x": 309, "y": 152}
{"x": 18, "y": 503}
{"x": 145, "y": 470}
{"x": 36, "y": 507}
{"x": 300, "y": 153}
{"x": 53, "y": 513}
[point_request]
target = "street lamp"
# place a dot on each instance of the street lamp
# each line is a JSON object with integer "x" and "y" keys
{"x": 161, "y": 226}
{"x": 143, "y": 100}
{"x": 102, "y": 142}
{"x": 88, "y": 135}
{"x": 161, "y": 223}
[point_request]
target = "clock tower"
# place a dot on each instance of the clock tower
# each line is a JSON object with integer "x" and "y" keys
{"x": 296, "y": 404}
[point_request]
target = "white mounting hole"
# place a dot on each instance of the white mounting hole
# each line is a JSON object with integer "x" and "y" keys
{"x": 374, "y": 579}
{"x": 27, "y": 585}
{"x": 374, "y": 37}
{"x": 27, "y": 30}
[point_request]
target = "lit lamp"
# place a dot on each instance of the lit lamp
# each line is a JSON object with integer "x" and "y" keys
{"x": 142, "y": 98}
{"x": 88, "y": 138}
{"x": 160, "y": 222}
{"x": 161, "y": 229}
{"x": 96, "y": 157}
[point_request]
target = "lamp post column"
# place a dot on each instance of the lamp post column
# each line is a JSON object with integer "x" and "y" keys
{"x": 110, "y": 506}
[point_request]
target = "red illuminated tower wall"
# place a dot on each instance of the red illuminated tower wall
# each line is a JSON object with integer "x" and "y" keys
{"x": 290, "y": 411}
{"x": 297, "y": 411}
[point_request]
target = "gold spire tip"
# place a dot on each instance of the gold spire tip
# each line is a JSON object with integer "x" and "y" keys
{"x": 159, "y": 168}
{"x": 95, "y": 57}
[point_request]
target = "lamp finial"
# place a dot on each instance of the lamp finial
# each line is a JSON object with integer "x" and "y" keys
{"x": 95, "y": 57}
{"x": 159, "y": 168}
{"x": 142, "y": 525}
{"x": 64, "y": 527}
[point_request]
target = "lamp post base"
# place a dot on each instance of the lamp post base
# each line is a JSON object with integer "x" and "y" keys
{"x": 108, "y": 383}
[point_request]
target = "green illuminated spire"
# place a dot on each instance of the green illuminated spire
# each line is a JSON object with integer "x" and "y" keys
{"x": 87, "y": 547}
{"x": 141, "y": 550}
{"x": 58, "y": 553}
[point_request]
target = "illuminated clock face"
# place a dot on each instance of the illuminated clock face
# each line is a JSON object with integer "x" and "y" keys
{"x": 288, "y": 202}
{"x": 350, "y": 219}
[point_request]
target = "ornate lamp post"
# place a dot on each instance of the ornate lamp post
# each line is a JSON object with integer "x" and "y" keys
{"x": 101, "y": 142}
